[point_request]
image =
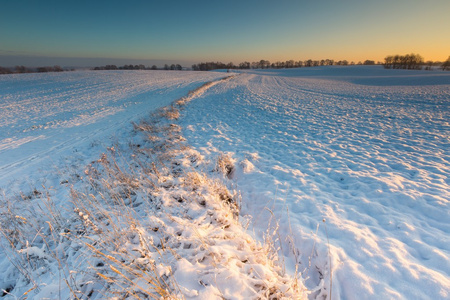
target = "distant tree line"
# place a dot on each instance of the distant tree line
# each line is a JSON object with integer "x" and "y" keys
{"x": 125, "y": 67}
{"x": 23, "y": 69}
{"x": 409, "y": 61}
{"x": 139, "y": 67}
{"x": 265, "y": 64}
{"x": 208, "y": 66}
{"x": 173, "y": 67}
{"x": 413, "y": 62}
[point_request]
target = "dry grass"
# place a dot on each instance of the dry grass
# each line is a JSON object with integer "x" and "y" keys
{"x": 170, "y": 112}
{"x": 225, "y": 165}
{"x": 134, "y": 215}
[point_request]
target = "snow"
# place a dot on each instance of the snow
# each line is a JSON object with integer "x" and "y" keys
{"x": 47, "y": 117}
{"x": 335, "y": 176}
{"x": 350, "y": 146}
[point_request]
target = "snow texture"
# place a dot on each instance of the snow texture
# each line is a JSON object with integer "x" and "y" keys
{"x": 47, "y": 117}
{"x": 319, "y": 183}
{"x": 352, "y": 159}
{"x": 148, "y": 218}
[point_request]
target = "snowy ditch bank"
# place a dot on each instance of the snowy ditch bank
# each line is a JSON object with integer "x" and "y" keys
{"x": 149, "y": 218}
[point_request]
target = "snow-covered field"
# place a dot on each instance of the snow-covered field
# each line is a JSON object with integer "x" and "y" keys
{"x": 344, "y": 170}
{"x": 47, "y": 117}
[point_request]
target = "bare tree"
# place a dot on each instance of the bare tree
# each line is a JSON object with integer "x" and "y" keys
{"x": 409, "y": 61}
{"x": 289, "y": 64}
{"x": 309, "y": 63}
{"x": 5, "y": 71}
{"x": 369, "y": 62}
{"x": 446, "y": 65}
{"x": 244, "y": 65}
{"x": 21, "y": 69}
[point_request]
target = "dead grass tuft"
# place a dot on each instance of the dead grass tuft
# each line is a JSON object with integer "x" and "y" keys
{"x": 225, "y": 165}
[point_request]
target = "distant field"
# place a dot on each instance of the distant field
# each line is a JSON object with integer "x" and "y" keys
{"x": 349, "y": 166}
{"x": 46, "y": 116}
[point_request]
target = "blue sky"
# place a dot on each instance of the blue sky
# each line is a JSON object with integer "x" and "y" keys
{"x": 96, "y": 32}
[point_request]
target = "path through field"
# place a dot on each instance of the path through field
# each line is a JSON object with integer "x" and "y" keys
{"x": 48, "y": 117}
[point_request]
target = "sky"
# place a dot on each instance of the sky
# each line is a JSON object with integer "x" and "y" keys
{"x": 90, "y": 33}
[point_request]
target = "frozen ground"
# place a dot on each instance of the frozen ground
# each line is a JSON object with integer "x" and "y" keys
{"x": 101, "y": 197}
{"x": 345, "y": 169}
{"x": 366, "y": 149}
{"x": 44, "y": 118}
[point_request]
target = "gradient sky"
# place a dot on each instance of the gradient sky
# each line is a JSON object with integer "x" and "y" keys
{"x": 191, "y": 31}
